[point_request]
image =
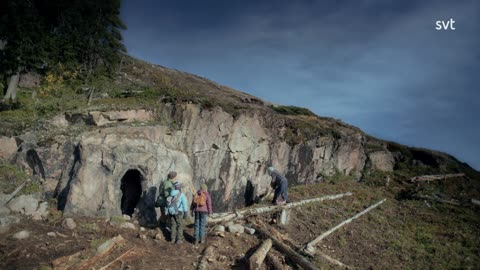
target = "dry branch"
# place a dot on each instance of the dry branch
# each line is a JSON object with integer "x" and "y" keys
{"x": 310, "y": 246}
{"x": 294, "y": 256}
{"x": 427, "y": 178}
{"x": 12, "y": 195}
{"x": 207, "y": 253}
{"x": 256, "y": 260}
{"x": 223, "y": 217}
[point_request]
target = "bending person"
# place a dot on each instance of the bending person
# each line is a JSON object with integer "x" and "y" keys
{"x": 279, "y": 184}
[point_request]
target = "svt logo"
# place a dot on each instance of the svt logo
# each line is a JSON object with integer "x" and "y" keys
{"x": 445, "y": 25}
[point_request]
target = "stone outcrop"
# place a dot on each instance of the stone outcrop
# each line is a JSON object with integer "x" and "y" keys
{"x": 8, "y": 147}
{"x": 226, "y": 152}
{"x": 104, "y": 118}
{"x": 382, "y": 161}
{"x": 230, "y": 153}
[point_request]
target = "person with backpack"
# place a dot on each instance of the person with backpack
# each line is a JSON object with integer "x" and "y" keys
{"x": 164, "y": 190}
{"x": 280, "y": 184}
{"x": 177, "y": 211}
{"x": 201, "y": 207}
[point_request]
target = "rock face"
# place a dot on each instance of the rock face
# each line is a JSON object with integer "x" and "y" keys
{"x": 24, "y": 204}
{"x": 108, "y": 171}
{"x": 69, "y": 223}
{"x": 8, "y": 146}
{"x": 226, "y": 152}
{"x": 382, "y": 161}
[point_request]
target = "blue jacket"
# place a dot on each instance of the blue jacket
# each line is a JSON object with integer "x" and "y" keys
{"x": 278, "y": 180}
{"x": 181, "y": 203}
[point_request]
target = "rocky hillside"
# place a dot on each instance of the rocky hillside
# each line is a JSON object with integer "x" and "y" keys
{"x": 95, "y": 157}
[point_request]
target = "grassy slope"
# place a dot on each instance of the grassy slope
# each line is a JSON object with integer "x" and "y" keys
{"x": 400, "y": 234}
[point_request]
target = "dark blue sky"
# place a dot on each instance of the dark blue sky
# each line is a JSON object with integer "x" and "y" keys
{"x": 379, "y": 65}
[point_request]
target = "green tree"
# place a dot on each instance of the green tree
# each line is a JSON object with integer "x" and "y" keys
{"x": 23, "y": 41}
{"x": 41, "y": 34}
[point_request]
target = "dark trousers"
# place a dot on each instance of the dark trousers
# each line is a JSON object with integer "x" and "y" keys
{"x": 176, "y": 227}
{"x": 200, "y": 225}
{"x": 281, "y": 190}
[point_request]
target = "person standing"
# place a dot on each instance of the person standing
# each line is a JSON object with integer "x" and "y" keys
{"x": 164, "y": 190}
{"x": 280, "y": 184}
{"x": 177, "y": 211}
{"x": 201, "y": 208}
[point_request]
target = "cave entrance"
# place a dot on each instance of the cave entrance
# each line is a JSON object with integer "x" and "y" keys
{"x": 131, "y": 186}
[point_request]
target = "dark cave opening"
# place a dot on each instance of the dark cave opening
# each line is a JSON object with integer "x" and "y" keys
{"x": 131, "y": 186}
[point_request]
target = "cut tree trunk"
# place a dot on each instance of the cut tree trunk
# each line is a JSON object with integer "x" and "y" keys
{"x": 427, "y": 178}
{"x": 223, "y": 217}
{"x": 289, "y": 252}
{"x": 12, "y": 87}
{"x": 310, "y": 246}
{"x": 256, "y": 260}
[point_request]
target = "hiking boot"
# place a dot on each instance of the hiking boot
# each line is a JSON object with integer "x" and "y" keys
{"x": 196, "y": 241}
{"x": 202, "y": 241}
{"x": 179, "y": 242}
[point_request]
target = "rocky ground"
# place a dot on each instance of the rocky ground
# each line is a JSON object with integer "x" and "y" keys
{"x": 399, "y": 234}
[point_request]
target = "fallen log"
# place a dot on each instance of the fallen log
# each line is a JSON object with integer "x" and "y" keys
{"x": 274, "y": 262}
{"x": 290, "y": 243}
{"x": 475, "y": 202}
{"x": 223, "y": 217}
{"x": 310, "y": 246}
{"x": 428, "y": 178}
{"x": 435, "y": 199}
{"x": 118, "y": 258}
{"x": 332, "y": 260}
{"x": 294, "y": 256}
{"x": 256, "y": 260}
{"x": 207, "y": 254}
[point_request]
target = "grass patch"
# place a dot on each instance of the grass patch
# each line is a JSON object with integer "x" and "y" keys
{"x": 89, "y": 227}
{"x": 11, "y": 177}
{"x": 376, "y": 178}
{"x": 395, "y": 235}
{"x": 31, "y": 188}
{"x": 291, "y": 110}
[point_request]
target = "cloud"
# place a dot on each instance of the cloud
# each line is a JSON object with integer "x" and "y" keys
{"x": 379, "y": 65}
